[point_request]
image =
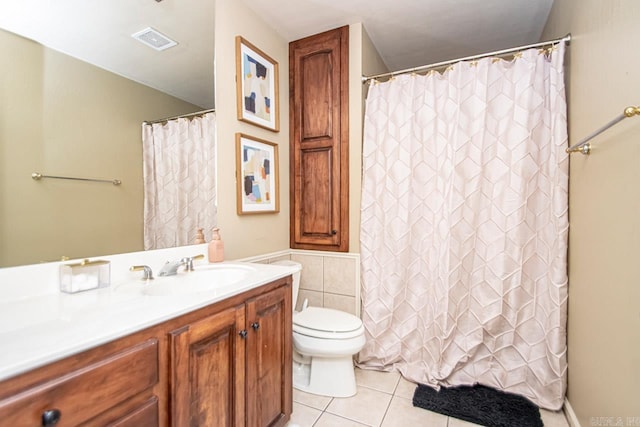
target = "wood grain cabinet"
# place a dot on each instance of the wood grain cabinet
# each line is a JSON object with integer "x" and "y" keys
{"x": 233, "y": 368}
{"x": 227, "y": 364}
{"x": 269, "y": 358}
{"x": 116, "y": 386}
{"x": 319, "y": 141}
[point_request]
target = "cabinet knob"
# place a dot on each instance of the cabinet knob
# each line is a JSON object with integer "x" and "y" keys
{"x": 243, "y": 333}
{"x": 334, "y": 232}
{"x": 255, "y": 326}
{"x": 51, "y": 417}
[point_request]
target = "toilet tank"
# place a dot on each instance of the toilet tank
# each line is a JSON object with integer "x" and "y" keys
{"x": 296, "y": 278}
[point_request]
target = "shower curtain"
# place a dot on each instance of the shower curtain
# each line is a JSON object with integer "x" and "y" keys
{"x": 464, "y": 226}
{"x": 179, "y": 172}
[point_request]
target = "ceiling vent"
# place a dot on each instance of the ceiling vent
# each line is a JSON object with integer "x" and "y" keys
{"x": 153, "y": 38}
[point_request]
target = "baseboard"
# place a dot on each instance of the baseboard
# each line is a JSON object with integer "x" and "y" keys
{"x": 571, "y": 416}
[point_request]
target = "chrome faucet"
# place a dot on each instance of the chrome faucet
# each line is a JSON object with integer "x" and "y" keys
{"x": 171, "y": 268}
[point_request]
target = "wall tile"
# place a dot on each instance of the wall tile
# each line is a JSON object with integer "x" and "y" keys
{"x": 279, "y": 258}
{"x": 340, "y": 275}
{"x": 311, "y": 277}
{"x": 315, "y": 298}
{"x": 340, "y": 302}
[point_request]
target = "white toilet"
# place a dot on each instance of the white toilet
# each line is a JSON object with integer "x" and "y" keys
{"x": 324, "y": 342}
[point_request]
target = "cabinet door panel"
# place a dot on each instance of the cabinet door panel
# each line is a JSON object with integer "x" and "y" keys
{"x": 208, "y": 364}
{"x": 269, "y": 363}
{"x": 316, "y": 189}
{"x": 318, "y": 97}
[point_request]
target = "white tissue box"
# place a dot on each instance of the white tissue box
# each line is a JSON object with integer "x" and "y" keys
{"x": 84, "y": 276}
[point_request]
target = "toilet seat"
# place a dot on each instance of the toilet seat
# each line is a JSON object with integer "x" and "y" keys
{"x": 327, "y": 323}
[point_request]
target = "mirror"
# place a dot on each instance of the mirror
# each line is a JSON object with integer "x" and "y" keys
{"x": 75, "y": 89}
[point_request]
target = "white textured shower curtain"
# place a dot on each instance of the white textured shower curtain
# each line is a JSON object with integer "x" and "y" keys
{"x": 464, "y": 226}
{"x": 179, "y": 171}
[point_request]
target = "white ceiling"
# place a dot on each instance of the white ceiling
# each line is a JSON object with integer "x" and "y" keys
{"x": 410, "y": 33}
{"x": 407, "y": 33}
{"x": 99, "y": 32}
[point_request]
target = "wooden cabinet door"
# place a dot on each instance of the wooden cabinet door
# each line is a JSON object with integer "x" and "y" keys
{"x": 207, "y": 379}
{"x": 269, "y": 363}
{"x": 319, "y": 146}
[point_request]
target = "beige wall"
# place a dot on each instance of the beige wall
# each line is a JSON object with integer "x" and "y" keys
{"x": 248, "y": 235}
{"x": 604, "y": 280}
{"x": 61, "y": 116}
{"x": 363, "y": 60}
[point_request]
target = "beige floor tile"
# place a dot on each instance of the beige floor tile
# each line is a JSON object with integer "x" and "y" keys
{"x": 381, "y": 381}
{"x": 402, "y": 413}
{"x": 405, "y": 389}
{"x": 303, "y": 416}
{"x": 313, "y": 400}
{"x": 455, "y": 422}
{"x": 367, "y": 406}
{"x": 330, "y": 420}
{"x": 553, "y": 419}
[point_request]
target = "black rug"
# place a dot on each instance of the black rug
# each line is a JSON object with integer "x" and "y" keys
{"x": 480, "y": 405}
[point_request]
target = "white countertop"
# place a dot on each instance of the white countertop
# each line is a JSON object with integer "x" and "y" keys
{"x": 38, "y": 329}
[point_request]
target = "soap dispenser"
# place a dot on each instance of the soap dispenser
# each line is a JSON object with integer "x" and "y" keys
{"x": 216, "y": 247}
{"x": 200, "y": 236}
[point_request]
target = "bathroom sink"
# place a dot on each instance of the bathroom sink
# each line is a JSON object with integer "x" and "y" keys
{"x": 204, "y": 278}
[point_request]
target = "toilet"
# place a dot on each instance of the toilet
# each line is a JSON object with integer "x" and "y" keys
{"x": 324, "y": 342}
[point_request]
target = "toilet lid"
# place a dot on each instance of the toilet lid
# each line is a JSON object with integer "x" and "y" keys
{"x": 326, "y": 320}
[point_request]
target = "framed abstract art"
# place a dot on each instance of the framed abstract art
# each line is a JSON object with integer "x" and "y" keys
{"x": 256, "y": 86}
{"x": 257, "y": 175}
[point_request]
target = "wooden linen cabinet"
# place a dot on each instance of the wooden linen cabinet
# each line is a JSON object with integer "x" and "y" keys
{"x": 319, "y": 141}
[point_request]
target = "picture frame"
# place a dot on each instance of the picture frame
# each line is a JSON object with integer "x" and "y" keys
{"x": 257, "y": 173}
{"x": 257, "y": 89}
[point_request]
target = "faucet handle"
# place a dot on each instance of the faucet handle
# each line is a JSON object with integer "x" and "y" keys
{"x": 148, "y": 273}
{"x": 188, "y": 261}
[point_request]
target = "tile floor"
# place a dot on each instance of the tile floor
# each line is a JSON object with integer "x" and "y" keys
{"x": 383, "y": 400}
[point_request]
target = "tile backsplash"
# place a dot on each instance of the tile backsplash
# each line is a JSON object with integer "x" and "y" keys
{"x": 328, "y": 279}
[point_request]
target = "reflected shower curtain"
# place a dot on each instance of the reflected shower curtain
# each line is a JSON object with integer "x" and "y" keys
{"x": 464, "y": 226}
{"x": 179, "y": 168}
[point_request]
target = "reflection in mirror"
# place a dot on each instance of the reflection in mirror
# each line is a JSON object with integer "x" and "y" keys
{"x": 179, "y": 182}
{"x": 63, "y": 116}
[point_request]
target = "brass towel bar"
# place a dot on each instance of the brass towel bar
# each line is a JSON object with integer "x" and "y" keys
{"x": 584, "y": 146}
{"x": 38, "y": 176}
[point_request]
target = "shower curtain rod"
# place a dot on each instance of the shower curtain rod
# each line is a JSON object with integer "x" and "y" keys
{"x": 197, "y": 113}
{"x": 503, "y": 52}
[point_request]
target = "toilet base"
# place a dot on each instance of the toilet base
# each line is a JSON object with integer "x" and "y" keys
{"x": 334, "y": 377}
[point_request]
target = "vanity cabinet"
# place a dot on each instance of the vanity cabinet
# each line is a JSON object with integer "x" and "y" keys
{"x": 233, "y": 368}
{"x": 226, "y": 364}
{"x": 116, "y": 384}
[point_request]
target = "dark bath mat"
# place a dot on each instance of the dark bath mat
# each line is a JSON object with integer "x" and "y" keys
{"x": 480, "y": 405}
